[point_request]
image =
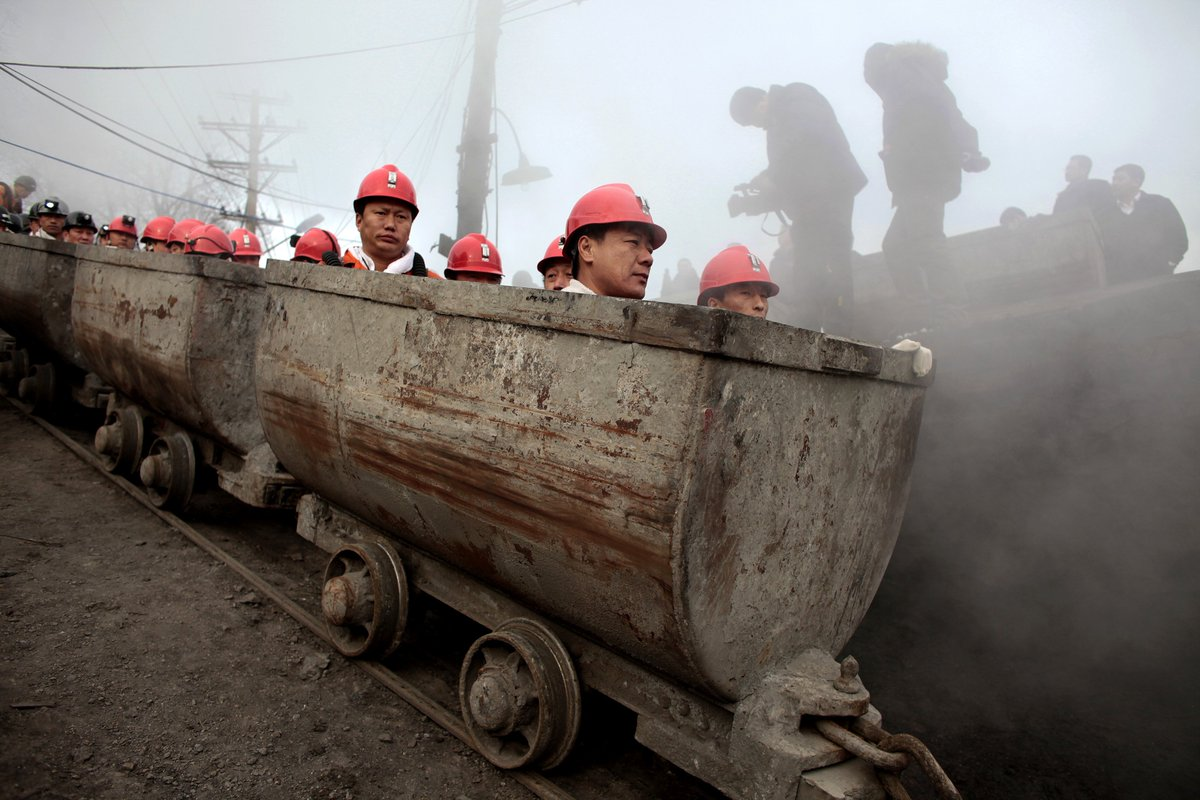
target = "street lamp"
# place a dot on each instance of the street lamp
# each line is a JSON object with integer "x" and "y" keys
{"x": 525, "y": 173}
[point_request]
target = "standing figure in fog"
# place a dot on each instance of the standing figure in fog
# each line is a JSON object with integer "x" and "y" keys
{"x": 812, "y": 177}
{"x": 927, "y": 144}
{"x": 1144, "y": 236}
{"x": 1083, "y": 191}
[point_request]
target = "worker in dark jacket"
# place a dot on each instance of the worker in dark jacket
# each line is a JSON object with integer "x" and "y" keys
{"x": 13, "y": 197}
{"x": 926, "y": 147}
{"x": 1082, "y": 191}
{"x": 812, "y": 178}
{"x": 1144, "y": 236}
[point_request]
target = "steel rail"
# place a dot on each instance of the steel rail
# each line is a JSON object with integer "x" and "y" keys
{"x": 538, "y": 784}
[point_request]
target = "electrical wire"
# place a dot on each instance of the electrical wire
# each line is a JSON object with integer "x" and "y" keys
{"x": 544, "y": 10}
{"x": 15, "y": 75}
{"x": 112, "y": 177}
{"x": 104, "y": 116}
{"x": 283, "y": 60}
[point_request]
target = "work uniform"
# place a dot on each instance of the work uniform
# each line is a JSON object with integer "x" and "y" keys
{"x": 357, "y": 259}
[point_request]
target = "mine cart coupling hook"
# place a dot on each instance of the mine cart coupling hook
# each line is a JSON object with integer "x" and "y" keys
{"x": 890, "y": 754}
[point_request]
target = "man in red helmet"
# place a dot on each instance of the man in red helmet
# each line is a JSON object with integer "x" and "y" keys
{"x": 154, "y": 235}
{"x": 316, "y": 246}
{"x": 555, "y": 267}
{"x": 178, "y": 235}
{"x": 122, "y": 233}
{"x": 209, "y": 240}
{"x": 611, "y": 239}
{"x": 247, "y": 249}
{"x": 383, "y": 213}
{"x": 737, "y": 280}
{"x": 474, "y": 259}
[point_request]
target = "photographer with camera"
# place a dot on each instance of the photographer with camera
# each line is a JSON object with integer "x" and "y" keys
{"x": 927, "y": 145}
{"x": 812, "y": 179}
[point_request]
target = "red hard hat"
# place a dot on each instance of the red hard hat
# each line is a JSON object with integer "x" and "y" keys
{"x": 386, "y": 183}
{"x": 158, "y": 229}
{"x": 209, "y": 240}
{"x": 180, "y": 230}
{"x": 608, "y": 204}
{"x": 123, "y": 224}
{"x": 553, "y": 253}
{"x": 245, "y": 243}
{"x": 473, "y": 253}
{"x": 732, "y": 265}
{"x": 315, "y": 243}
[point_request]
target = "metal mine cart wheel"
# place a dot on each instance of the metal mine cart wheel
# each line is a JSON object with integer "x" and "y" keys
{"x": 365, "y": 599}
{"x": 13, "y": 369}
{"x": 40, "y": 387}
{"x": 520, "y": 696}
{"x": 169, "y": 471}
{"x": 121, "y": 440}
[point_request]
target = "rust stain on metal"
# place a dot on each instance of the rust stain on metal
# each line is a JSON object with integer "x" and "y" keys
{"x": 475, "y": 485}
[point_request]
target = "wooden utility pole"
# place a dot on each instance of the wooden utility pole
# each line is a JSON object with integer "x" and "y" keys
{"x": 475, "y": 151}
{"x": 259, "y": 173}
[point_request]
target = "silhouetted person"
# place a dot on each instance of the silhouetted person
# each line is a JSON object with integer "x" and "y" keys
{"x": 812, "y": 177}
{"x": 13, "y": 197}
{"x": 1144, "y": 236}
{"x": 1082, "y": 191}
{"x": 926, "y": 146}
{"x": 1013, "y": 217}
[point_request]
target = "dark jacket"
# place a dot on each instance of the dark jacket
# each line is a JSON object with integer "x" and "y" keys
{"x": 1092, "y": 194}
{"x": 9, "y": 200}
{"x": 1147, "y": 243}
{"x": 924, "y": 134}
{"x": 808, "y": 157}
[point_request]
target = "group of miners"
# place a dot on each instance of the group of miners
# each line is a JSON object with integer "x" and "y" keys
{"x": 607, "y": 248}
{"x": 811, "y": 181}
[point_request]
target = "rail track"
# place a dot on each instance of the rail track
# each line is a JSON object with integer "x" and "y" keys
{"x": 422, "y": 672}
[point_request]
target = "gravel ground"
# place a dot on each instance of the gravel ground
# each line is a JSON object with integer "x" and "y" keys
{"x": 136, "y": 666}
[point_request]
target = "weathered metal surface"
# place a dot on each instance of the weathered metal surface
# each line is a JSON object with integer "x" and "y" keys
{"x": 37, "y": 280}
{"x": 695, "y": 489}
{"x": 176, "y": 334}
{"x": 756, "y": 749}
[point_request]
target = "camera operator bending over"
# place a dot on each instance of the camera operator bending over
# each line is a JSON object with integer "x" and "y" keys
{"x": 812, "y": 177}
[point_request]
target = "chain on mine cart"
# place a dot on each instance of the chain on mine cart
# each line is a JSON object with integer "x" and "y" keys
{"x": 890, "y": 754}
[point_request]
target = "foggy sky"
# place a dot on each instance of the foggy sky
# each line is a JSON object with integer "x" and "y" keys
{"x": 605, "y": 90}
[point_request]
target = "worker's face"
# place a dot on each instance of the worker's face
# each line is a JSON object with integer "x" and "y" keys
{"x": 478, "y": 277}
{"x": 1076, "y": 170}
{"x": 617, "y": 263}
{"x": 156, "y": 246}
{"x": 21, "y": 191}
{"x": 122, "y": 240}
{"x": 384, "y": 226}
{"x": 246, "y": 260}
{"x": 80, "y": 235}
{"x": 1124, "y": 186}
{"x": 744, "y": 298}
{"x": 176, "y": 247}
{"x": 557, "y": 276}
{"x": 52, "y": 224}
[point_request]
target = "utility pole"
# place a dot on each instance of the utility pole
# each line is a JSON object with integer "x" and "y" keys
{"x": 259, "y": 173}
{"x": 475, "y": 150}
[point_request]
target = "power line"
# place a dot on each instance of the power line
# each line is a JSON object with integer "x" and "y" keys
{"x": 112, "y": 177}
{"x": 103, "y": 116}
{"x": 15, "y": 75}
{"x": 543, "y": 11}
{"x": 284, "y": 60}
